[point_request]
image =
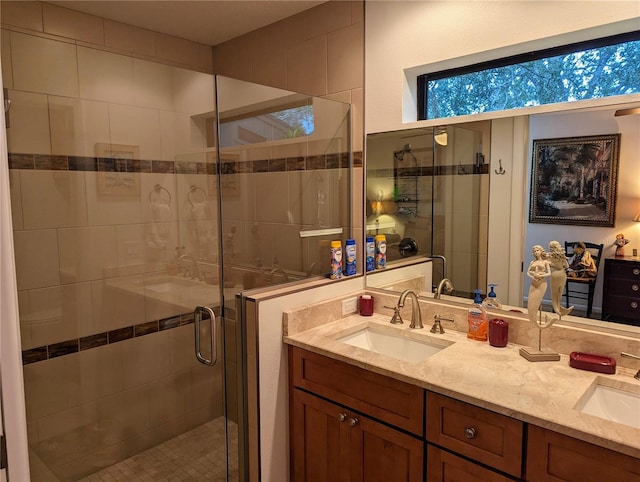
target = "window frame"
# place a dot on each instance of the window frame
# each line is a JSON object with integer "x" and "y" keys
{"x": 424, "y": 79}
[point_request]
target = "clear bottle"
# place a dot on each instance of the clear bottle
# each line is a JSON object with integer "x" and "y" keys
{"x": 492, "y": 302}
{"x": 371, "y": 254}
{"x": 477, "y": 319}
{"x": 381, "y": 251}
{"x": 336, "y": 260}
{"x": 350, "y": 257}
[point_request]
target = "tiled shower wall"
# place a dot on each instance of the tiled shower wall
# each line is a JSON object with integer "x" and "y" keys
{"x": 98, "y": 123}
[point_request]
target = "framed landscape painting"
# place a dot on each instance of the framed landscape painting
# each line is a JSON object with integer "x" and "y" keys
{"x": 573, "y": 180}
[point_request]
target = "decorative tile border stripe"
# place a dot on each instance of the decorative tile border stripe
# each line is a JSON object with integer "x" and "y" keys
{"x": 68, "y": 347}
{"x": 89, "y": 342}
{"x": 107, "y": 164}
{"x": 459, "y": 170}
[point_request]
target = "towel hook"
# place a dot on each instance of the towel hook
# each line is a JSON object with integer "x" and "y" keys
{"x": 158, "y": 191}
{"x": 500, "y": 171}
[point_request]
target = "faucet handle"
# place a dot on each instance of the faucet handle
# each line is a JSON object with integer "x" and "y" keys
{"x": 437, "y": 326}
{"x": 396, "y": 319}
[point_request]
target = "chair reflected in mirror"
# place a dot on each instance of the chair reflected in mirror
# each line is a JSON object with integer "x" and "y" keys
{"x": 584, "y": 262}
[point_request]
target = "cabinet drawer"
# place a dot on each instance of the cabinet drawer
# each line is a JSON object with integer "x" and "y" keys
{"x": 482, "y": 435}
{"x": 623, "y": 269}
{"x": 623, "y": 287}
{"x": 383, "y": 398}
{"x": 554, "y": 457}
{"x": 623, "y": 306}
{"x": 443, "y": 466}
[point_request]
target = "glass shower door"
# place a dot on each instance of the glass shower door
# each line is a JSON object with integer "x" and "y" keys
{"x": 116, "y": 221}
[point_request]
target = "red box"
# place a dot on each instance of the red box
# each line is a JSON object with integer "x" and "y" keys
{"x": 592, "y": 363}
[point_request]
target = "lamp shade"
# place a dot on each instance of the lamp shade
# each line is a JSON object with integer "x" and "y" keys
{"x": 637, "y": 218}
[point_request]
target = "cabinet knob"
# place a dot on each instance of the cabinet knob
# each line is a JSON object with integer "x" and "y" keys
{"x": 342, "y": 417}
{"x": 634, "y": 304}
{"x": 470, "y": 432}
{"x": 353, "y": 422}
{"x": 635, "y": 287}
{"x": 636, "y": 271}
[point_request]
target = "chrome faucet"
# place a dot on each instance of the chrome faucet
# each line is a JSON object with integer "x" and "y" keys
{"x": 416, "y": 317}
{"x": 446, "y": 284}
{"x": 437, "y": 326}
{"x": 185, "y": 269}
{"x": 629, "y": 355}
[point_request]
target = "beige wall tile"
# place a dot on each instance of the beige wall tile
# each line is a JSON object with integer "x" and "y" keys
{"x": 82, "y": 418}
{"x": 287, "y": 249}
{"x": 146, "y": 358}
{"x": 101, "y": 373}
{"x": 257, "y": 244}
{"x": 193, "y": 91}
{"x": 288, "y": 32}
{"x": 72, "y": 24}
{"x": 45, "y": 386}
{"x": 327, "y": 17}
{"x": 206, "y": 389}
{"x": 125, "y": 37}
{"x": 43, "y": 65}
{"x": 123, "y": 414}
{"x": 345, "y": 62}
{"x": 169, "y": 397}
{"x": 22, "y": 14}
{"x": 116, "y": 303}
{"x": 270, "y": 68}
{"x": 78, "y": 125}
{"x": 105, "y": 76}
{"x": 177, "y": 50}
{"x": 206, "y": 58}
{"x": 106, "y": 205}
{"x": 29, "y": 131}
{"x": 59, "y": 313}
{"x": 37, "y": 258}
{"x": 15, "y": 190}
{"x": 357, "y": 119}
{"x": 227, "y": 62}
{"x": 175, "y": 135}
{"x": 25, "y": 326}
{"x": 86, "y": 252}
{"x": 130, "y": 245}
{"x": 273, "y": 204}
{"x": 357, "y": 11}
{"x": 152, "y": 85}
{"x": 52, "y": 199}
{"x": 182, "y": 349}
{"x": 137, "y": 126}
{"x": 306, "y": 67}
{"x": 5, "y": 50}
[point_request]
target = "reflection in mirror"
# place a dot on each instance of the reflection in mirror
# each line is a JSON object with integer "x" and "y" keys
{"x": 427, "y": 192}
{"x": 511, "y": 243}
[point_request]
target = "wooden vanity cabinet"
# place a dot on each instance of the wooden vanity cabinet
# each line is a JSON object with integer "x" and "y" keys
{"x": 553, "y": 457}
{"x": 345, "y": 423}
{"x": 473, "y": 432}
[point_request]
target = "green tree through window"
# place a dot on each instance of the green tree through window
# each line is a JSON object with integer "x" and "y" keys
{"x": 589, "y": 70}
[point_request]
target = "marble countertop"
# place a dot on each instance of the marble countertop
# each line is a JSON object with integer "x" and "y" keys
{"x": 498, "y": 379}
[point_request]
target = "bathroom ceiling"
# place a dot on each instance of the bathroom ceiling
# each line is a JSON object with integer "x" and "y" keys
{"x": 207, "y": 22}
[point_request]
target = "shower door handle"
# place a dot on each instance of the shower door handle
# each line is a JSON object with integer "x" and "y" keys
{"x": 197, "y": 319}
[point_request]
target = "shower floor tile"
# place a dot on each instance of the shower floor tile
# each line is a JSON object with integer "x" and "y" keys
{"x": 195, "y": 455}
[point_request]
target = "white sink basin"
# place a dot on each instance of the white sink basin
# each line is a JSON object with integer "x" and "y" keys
{"x": 400, "y": 347}
{"x": 619, "y": 404}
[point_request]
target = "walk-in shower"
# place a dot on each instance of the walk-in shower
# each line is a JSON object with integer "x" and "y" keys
{"x": 141, "y": 191}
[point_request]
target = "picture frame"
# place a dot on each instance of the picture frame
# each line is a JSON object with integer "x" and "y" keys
{"x": 574, "y": 180}
{"x": 117, "y": 180}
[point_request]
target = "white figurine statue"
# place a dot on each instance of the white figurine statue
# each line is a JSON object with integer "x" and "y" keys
{"x": 539, "y": 270}
{"x": 558, "y": 263}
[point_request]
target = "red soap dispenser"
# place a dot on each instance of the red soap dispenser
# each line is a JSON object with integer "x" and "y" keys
{"x": 498, "y": 332}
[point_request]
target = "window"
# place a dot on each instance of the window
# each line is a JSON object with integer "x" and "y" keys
{"x": 587, "y": 70}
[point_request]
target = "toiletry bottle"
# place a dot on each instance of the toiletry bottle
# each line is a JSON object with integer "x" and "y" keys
{"x": 381, "y": 251}
{"x": 491, "y": 302}
{"x": 371, "y": 254}
{"x": 336, "y": 260}
{"x": 477, "y": 319}
{"x": 350, "y": 257}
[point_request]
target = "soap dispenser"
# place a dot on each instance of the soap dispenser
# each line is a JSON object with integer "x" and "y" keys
{"x": 491, "y": 302}
{"x": 477, "y": 319}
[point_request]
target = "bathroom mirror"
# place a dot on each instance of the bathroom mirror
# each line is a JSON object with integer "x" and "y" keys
{"x": 470, "y": 195}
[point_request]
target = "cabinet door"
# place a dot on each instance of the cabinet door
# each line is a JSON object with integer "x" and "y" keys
{"x": 319, "y": 440}
{"x": 444, "y": 466}
{"x": 553, "y": 457}
{"x": 382, "y": 454}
